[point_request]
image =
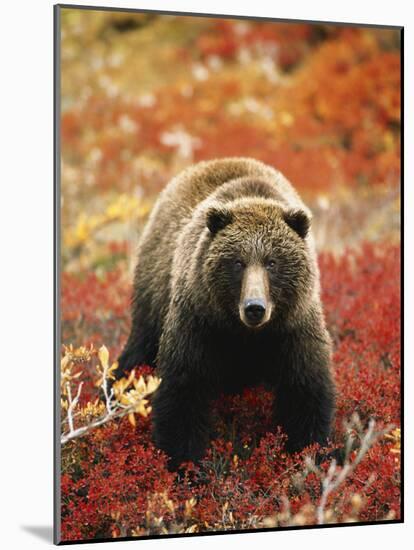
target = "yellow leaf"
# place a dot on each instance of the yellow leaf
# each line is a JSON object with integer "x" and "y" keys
{"x": 141, "y": 409}
{"x": 131, "y": 377}
{"x": 140, "y": 385}
{"x": 152, "y": 383}
{"x": 64, "y": 362}
{"x": 123, "y": 399}
{"x": 103, "y": 356}
{"x": 111, "y": 370}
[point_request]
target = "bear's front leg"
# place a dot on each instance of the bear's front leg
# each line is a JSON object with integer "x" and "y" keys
{"x": 180, "y": 413}
{"x": 305, "y": 393}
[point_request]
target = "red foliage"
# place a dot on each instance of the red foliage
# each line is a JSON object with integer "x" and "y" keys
{"x": 95, "y": 309}
{"x": 225, "y": 38}
{"x": 112, "y": 476}
{"x": 362, "y": 302}
{"x": 333, "y": 121}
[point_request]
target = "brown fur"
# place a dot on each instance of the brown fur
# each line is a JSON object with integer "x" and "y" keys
{"x": 214, "y": 227}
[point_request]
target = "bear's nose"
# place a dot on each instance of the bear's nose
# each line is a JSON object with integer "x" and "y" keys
{"x": 254, "y": 310}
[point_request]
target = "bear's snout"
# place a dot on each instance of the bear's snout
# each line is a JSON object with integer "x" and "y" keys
{"x": 255, "y": 304}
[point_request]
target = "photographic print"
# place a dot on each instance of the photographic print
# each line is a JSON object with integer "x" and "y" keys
{"x": 228, "y": 290}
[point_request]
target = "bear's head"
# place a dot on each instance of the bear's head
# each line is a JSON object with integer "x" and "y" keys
{"x": 257, "y": 266}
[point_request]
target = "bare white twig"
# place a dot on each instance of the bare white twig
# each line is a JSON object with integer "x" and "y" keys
{"x": 109, "y": 396}
{"x": 72, "y": 403}
{"x": 71, "y": 434}
{"x": 336, "y": 476}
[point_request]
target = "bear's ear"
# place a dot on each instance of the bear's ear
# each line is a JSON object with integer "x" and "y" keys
{"x": 299, "y": 221}
{"x": 217, "y": 219}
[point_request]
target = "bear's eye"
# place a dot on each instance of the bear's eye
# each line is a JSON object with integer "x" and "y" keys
{"x": 238, "y": 265}
{"x": 270, "y": 264}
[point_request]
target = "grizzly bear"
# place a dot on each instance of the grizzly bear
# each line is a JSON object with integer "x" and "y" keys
{"x": 226, "y": 295}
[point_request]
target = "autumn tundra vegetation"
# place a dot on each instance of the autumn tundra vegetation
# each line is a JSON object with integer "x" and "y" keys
{"x": 144, "y": 96}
